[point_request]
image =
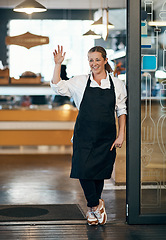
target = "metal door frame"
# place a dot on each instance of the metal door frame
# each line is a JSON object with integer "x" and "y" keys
{"x": 133, "y": 150}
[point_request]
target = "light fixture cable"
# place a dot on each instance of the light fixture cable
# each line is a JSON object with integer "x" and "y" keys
{"x": 91, "y": 33}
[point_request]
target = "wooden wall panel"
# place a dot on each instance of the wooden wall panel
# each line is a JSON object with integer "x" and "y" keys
{"x": 38, "y": 115}
{"x": 33, "y": 137}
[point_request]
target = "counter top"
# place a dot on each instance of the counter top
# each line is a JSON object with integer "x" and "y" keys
{"x": 26, "y": 90}
{"x": 38, "y": 115}
{"x": 36, "y": 125}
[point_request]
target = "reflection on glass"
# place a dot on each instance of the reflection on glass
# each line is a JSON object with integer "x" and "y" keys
{"x": 163, "y": 95}
{"x": 153, "y": 108}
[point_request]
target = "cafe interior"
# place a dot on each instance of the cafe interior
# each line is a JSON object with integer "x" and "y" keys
{"x": 39, "y": 121}
{"x": 36, "y": 126}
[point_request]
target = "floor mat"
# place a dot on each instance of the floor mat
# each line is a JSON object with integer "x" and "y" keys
{"x": 55, "y": 212}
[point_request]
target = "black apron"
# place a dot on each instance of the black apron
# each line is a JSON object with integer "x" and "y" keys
{"x": 94, "y": 133}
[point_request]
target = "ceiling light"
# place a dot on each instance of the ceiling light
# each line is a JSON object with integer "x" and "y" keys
{"x": 157, "y": 23}
{"x": 162, "y": 15}
{"x": 91, "y": 34}
{"x": 99, "y": 23}
{"x": 160, "y": 74}
{"x": 110, "y": 25}
{"x": 30, "y": 6}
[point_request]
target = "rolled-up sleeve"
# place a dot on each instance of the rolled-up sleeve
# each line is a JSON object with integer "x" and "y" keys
{"x": 61, "y": 88}
{"x": 121, "y": 97}
{"x": 74, "y": 87}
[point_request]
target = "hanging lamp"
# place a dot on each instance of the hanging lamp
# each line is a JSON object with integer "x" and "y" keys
{"x": 91, "y": 34}
{"x": 29, "y": 7}
{"x": 99, "y": 23}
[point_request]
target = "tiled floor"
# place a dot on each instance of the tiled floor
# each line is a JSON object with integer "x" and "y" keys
{"x": 44, "y": 179}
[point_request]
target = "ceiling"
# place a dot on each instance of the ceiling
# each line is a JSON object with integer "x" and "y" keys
{"x": 116, "y": 5}
{"x": 70, "y": 4}
{"x": 78, "y": 4}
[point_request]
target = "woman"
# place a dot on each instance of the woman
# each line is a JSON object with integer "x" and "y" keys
{"x": 61, "y": 100}
{"x": 97, "y": 96}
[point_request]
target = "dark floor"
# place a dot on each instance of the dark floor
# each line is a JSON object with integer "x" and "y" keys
{"x": 44, "y": 179}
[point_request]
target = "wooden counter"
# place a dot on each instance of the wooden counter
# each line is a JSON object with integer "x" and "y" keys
{"x": 38, "y": 115}
{"x": 55, "y": 127}
{"x": 28, "y": 135}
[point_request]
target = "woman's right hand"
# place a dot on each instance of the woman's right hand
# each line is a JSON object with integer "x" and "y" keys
{"x": 59, "y": 55}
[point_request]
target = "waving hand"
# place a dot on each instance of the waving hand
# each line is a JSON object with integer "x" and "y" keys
{"x": 59, "y": 55}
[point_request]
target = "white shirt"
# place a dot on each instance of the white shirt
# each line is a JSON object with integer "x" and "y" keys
{"x": 75, "y": 87}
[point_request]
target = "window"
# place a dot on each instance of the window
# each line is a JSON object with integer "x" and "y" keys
{"x": 40, "y": 59}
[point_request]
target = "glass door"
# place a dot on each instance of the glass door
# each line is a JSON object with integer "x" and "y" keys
{"x": 146, "y": 131}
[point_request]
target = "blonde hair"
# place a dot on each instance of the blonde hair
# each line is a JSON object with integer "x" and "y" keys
{"x": 104, "y": 55}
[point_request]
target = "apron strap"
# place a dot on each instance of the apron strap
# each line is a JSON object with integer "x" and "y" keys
{"x": 111, "y": 82}
{"x": 88, "y": 83}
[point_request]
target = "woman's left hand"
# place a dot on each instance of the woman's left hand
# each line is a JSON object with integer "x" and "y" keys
{"x": 117, "y": 143}
{"x": 121, "y": 133}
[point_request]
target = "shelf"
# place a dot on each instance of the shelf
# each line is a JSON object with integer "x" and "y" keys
{"x": 26, "y": 90}
{"x": 153, "y": 98}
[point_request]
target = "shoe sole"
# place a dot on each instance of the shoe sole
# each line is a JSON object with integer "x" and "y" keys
{"x": 105, "y": 215}
{"x": 92, "y": 223}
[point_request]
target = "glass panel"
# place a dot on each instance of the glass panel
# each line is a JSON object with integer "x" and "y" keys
{"x": 39, "y": 59}
{"x": 153, "y": 107}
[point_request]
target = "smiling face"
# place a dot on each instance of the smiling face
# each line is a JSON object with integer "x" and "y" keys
{"x": 96, "y": 62}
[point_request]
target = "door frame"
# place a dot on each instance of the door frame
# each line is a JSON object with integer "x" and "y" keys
{"x": 133, "y": 129}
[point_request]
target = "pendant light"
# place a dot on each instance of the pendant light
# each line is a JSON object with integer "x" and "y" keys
{"x": 102, "y": 25}
{"x": 91, "y": 34}
{"x": 99, "y": 24}
{"x": 29, "y": 7}
{"x": 103, "y": 22}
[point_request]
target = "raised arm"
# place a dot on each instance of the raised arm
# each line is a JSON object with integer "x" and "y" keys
{"x": 59, "y": 56}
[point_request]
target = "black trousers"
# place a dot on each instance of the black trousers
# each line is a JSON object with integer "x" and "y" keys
{"x": 92, "y": 191}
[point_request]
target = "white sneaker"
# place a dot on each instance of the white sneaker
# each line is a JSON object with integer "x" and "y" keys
{"x": 100, "y": 213}
{"x": 91, "y": 219}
